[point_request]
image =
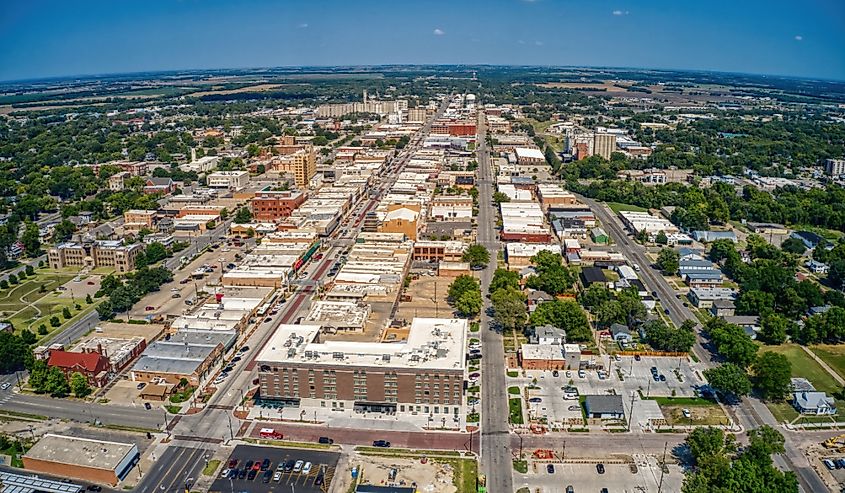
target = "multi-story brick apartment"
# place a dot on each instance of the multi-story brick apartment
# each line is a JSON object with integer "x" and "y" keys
{"x": 302, "y": 164}
{"x": 100, "y": 253}
{"x": 423, "y": 374}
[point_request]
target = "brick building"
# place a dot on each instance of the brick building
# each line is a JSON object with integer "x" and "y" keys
{"x": 274, "y": 205}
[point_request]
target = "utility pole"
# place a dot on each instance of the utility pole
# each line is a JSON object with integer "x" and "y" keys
{"x": 631, "y": 413}
{"x": 662, "y": 467}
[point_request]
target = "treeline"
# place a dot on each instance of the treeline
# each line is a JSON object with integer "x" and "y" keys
{"x": 123, "y": 293}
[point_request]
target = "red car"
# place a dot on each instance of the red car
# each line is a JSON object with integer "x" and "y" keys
{"x": 233, "y": 463}
{"x": 318, "y": 256}
{"x": 256, "y": 466}
{"x": 150, "y": 308}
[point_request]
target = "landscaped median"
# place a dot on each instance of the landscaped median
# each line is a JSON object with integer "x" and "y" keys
{"x": 515, "y": 411}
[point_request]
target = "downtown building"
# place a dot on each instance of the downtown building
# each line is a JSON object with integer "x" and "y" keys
{"x": 423, "y": 374}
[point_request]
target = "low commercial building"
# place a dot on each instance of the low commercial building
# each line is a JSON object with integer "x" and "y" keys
{"x": 422, "y": 374}
{"x": 604, "y": 406}
{"x": 338, "y": 316}
{"x": 448, "y": 251}
{"x": 30, "y": 483}
{"x": 188, "y": 354}
{"x": 518, "y": 255}
{"x": 528, "y": 156}
{"x": 96, "y": 461}
{"x": 551, "y": 195}
{"x": 643, "y": 221}
{"x": 230, "y": 180}
{"x": 542, "y": 357}
{"x": 136, "y": 220}
{"x": 270, "y": 205}
{"x": 524, "y": 222}
{"x": 92, "y": 365}
{"x": 704, "y": 297}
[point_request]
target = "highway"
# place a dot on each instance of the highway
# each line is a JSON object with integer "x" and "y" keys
{"x": 751, "y": 412}
{"x": 495, "y": 430}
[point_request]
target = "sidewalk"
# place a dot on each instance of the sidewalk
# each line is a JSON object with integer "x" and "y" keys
{"x": 350, "y": 419}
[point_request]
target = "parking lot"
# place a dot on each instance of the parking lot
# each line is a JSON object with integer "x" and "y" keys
{"x": 680, "y": 380}
{"x": 317, "y": 480}
{"x": 616, "y": 478}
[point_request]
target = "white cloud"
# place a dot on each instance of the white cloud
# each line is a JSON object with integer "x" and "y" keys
{"x": 304, "y": 25}
{"x": 538, "y": 43}
{"x": 620, "y": 12}
{"x": 798, "y": 37}
{"x": 439, "y": 32}
{"x": 522, "y": 42}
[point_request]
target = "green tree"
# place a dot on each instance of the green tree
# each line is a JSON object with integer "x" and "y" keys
{"x": 155, "y": 252}
{"x": 772, "y": 375}
{"x": 55, "y": 322}
{"x": 63, "y": 231}
{"x": 30, "y": 271}
{"x": 28, "y": 337}
{"x": 662, "y": 337}
{"x": 668, "y": 260}
{"x": 566, "y": 315}
{"x": 88, "y": 299}
{"x": 13, "y": 279}
{"x": 477, "y": 256}
{"x": 15, "y": 353}
{"x": 56, "y": 383}
{"x": 31, "y": 241}
{"x": 793, "y": 246}
{"x": 732, "y": 342}
{"x": 728, "y": 380}
{"x": 661, "y": 238}
{"x": 66, "y": 313}
{"x": 509, "y": 308}
{"x": 552, "y": 276}
{"x": 595, "y": 295}
{"x": 462, "y": 284}
{"x": 469, "y": 303}
{"x": 500, "y": 197}
{"x": 774, "y": 328}
{"x": 79, "y": 385}
{"x": 242, "y": 216}
{"x": 707, "y": 442}
{"x": 503, "y": 278}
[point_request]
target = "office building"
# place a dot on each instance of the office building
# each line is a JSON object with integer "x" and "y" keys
{"x": 92, "y": 254}
{"x": 272, "y": 205}
{"x": 302, "y": 164}
{"x": 834, "y": 167}
{"x": 230, "y": 180}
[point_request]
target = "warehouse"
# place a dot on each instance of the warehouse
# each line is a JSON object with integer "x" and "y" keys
{"x": 82, "y": 458}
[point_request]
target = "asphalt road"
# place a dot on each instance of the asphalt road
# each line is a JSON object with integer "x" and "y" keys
{"x": 750, "y": 413}
{"x": 174, "y": 468}
{"x": 110, "y": 414}
{"x": 495, "y": 438}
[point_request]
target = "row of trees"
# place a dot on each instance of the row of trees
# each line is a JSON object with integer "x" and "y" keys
{"x": 51, "y": 380}
{"x": 720, "y": 466}
{"x": 768, "y": 372}
{"x": 123, "y": 293}
{"x": 465, "y": 295}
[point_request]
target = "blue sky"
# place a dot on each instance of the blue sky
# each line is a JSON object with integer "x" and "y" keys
{"x": 59, "y": 38}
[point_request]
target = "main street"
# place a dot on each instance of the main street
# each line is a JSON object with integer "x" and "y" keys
{"x": 751, "y": 412}
{"x": 495, "y": 438}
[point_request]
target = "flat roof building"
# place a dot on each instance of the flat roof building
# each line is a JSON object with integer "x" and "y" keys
{"x": 422, "y": 374}
{"x": 82, "y": 458}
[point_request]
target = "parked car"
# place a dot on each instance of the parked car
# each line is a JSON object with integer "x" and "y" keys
{"x": 550, "y": 469}
{"x": 140, "y": 386}
{"x": 535, "y": 400}
{"x": 829, "y": 464}
{"x": 381, "y": 443}
{"x": 306, "y": 469}
{"x": 637, "y": 357}
{"x": 298, "y": 466}
{"x": 94, "y": 487}
{"x": 267, "y": 476}
{"x": 325, "y": 440}
{"x": 570, "y": 489}
{"x": 600, "y": 468}
{"x": 265, "y": 464}
{"x": 233, "y": 463}
{"x": 289, "y": 465}
{"x": 277, "y": 476}
{"x": 555, "y": 373}
{"x": 251, "y": 474}
{"x": 147, "y": 406}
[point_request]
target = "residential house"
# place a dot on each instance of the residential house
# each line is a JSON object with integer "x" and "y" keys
{"x": 711, "y": 236}
{"x": 817, "y": 267}
{"x": 92, "y": 365}
{"x": 162, "y": 185}
{"x": 817, "y": 403}
{"x": 592, "y": 275}
{"x": 547, "y": 334}
{"x": 810, "y": 239}
{"x": 723, "y": 308}
{"x": 621, "y": 333}
{"x": 537, "y": 297}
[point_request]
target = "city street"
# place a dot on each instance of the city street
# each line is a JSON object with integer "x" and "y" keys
{"x": 495, "y": 450}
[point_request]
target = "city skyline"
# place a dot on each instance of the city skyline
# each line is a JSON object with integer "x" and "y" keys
{"x": 50, "y": 39}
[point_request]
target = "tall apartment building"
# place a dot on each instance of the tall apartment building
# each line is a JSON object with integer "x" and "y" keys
{"x": 834, "y": 167}
{"x": 302, "y": 164}
{"x": 92, "y": 254}
{"x": 274, "y": 205}
{"x": 604, "y": 145}
{"x": 417, "y": 115}
{"x": 423, "y": 374}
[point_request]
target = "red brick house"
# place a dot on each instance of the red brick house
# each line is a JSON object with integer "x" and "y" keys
{"x": 92, "y": 364}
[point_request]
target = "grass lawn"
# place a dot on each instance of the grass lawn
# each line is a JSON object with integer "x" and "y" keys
{"x": 513, "y": 374}
{"x": 711, "y": 414}
{"x": 804, "y": 366}
{"x": 520, "y": 466}
{"x": 833, "y": 355}
{"x": 515, "y": 408}
{"x": 209, "y": 469}
{"x": 618, "y": 207}
{"x": 513, "y": 390}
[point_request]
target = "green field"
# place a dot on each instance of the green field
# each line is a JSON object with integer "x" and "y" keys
{"x": 617, "y": 207}
{"x": 26, "y": 306}
{"x": 515, "y": 408}
{"x": 833, "y": 355}
{"x": 804, "y": 366}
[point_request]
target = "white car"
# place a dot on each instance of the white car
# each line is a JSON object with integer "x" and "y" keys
{"x": 5, "y": 385}
{"x": 298, "y": 466}
{"x": 306, "y": 468}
